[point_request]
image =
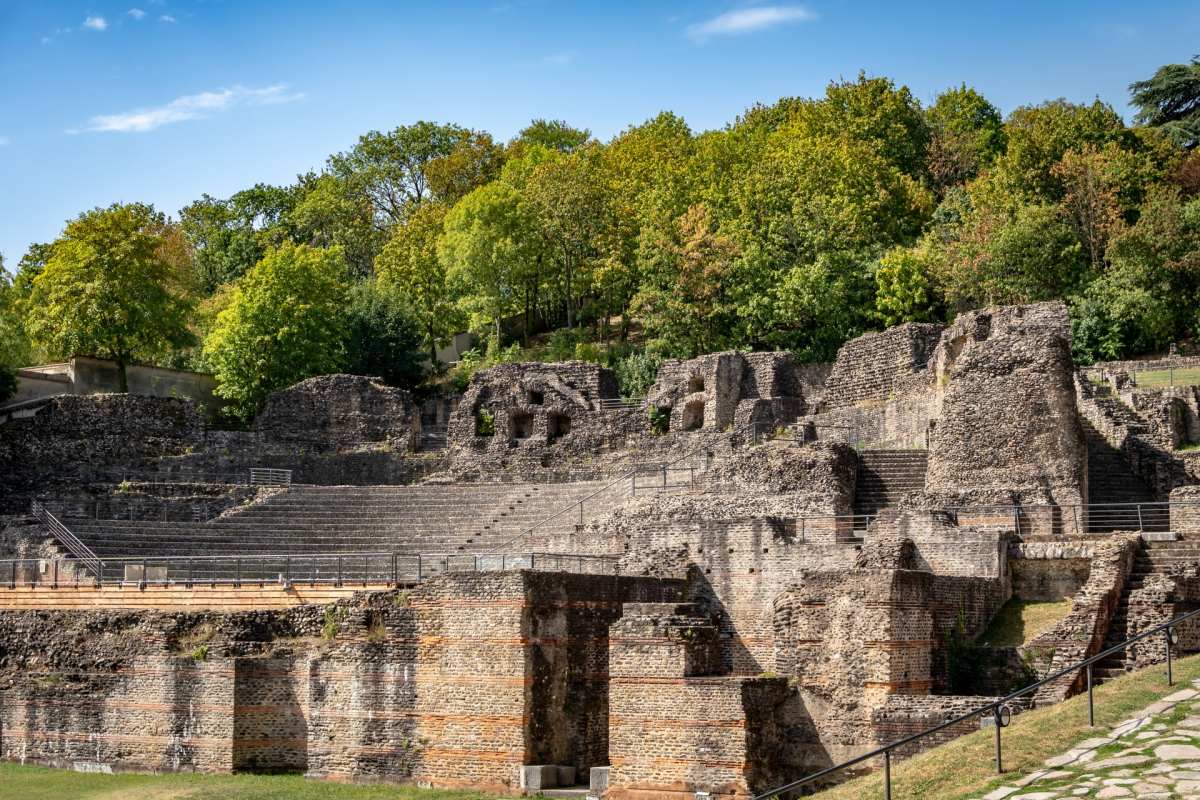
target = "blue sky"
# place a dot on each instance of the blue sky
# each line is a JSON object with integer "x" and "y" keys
{"x": 162, "y": 100}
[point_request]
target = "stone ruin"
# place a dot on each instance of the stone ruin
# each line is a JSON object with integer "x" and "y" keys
{"x": 759, "y": 570}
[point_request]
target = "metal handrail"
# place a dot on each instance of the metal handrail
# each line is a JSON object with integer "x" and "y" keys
{"x": 392, "y": 568}
{"x": 68, "y": 540}
{"x": 997, "y": 708}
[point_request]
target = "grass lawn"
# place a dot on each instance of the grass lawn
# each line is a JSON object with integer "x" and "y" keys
{"x": 39, "y": 783}
{"x": 1021, "y": 621}
{"x": 964, "y": 768}
{"x": 1154, "y": 379}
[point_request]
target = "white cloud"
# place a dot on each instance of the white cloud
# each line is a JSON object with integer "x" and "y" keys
{"x": 96, "y": 23}
{"x": 560, "y": 59}
{"x": 192, "y": 106}
{"x": 749, "y": 20}
{"x": 167, "y": 18}
{"x": 136, "y": 13}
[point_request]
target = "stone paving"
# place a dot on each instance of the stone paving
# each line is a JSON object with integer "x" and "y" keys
{"x": 1154, "y": 755}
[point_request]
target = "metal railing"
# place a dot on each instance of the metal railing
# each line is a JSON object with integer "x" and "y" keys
{"x": 285, "y": 569}
{"x": 176, "y": 476}
{"x": 262, "y": 476}
{"x": 619, "y": 403}
{"x": 1000, "y": 712}
{"x": 69, "y": 541}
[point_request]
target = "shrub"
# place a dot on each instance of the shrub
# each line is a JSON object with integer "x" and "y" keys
{"x": 636, "y": 373}
{"x": 660, "y": 420}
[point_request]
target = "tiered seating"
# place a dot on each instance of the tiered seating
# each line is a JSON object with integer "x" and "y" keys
{"x": 426, "y": 519}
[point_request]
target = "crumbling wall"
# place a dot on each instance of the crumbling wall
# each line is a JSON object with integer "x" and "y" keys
{"x": 333, "y": 411}
{"x": 879, "y": 366}
{"x": 77, "y": 438}
{"x": 1081, "y": 633}
{"x": 1008, "y": 415}
{"x": 669, "y": 706}
{"x": 535, "y": 415}
{"x": 457, "y": 682}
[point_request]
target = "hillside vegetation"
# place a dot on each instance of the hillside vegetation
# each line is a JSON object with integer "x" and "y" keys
{"x": 800, "y": 224}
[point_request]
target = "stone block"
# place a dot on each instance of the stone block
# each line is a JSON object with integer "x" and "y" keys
{"x": 535, "y": 777}
{"x": 598, "y": 781}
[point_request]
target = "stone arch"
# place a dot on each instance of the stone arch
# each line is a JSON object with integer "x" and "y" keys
{"x": 692, "y": 418}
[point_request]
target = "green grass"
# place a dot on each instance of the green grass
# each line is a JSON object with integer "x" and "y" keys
{"x": 19, "y": 782}
{"x": 964, "y": 768}
{"x": 1157, "y": 378}
{"x": 1021, "y": 621}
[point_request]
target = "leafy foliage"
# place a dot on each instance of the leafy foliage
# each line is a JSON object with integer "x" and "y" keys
{"x": 383, "y": 338}
{"x": 110, "y": 289}
{"x": 1171, "y": 100}
{"x": 285, "y": 322}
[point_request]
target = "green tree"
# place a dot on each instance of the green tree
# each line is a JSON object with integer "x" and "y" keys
{"x": 109, "y": 289}
{"x": 474, "y": 161}
{"x": 552, "y": 134}
{"x": 966, "y": 135}
{"x": 874, "y": 111}
{"x": 328, "y": 213}
{"x": 285, "y": 322}
{"x": 483, "y": 249}
{"x": 1039, "y": 136}
{"x": 685, "y": 301}
{"x": 566, "y": 199}
{"x": 1010, "y": 256}
{"x": 382, "y": 336}
{"x": 409, "y": 263}
{"x": 1171, "y": 100}
{"x": 13, "y": 347}
{"x": 904, "y": 290}
{"x": 389, "y": 169}
{"x": 1150, "y": 292}
{"x": 230, "y": 236}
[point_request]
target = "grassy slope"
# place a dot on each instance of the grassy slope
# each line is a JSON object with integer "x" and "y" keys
{"x": 38, "y": 783}
{"x": 964, "y": 768}
{"x": 1020, "y": 622}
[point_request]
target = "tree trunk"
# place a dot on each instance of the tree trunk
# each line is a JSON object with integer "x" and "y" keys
{"x": 570, "y": 304}
{"x": 122, "y": 376}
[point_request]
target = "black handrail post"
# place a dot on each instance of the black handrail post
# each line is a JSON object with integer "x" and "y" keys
{"x": 1091, "y": 707}
{"x": 1170, "y": 671}
{"x": 999, "y": 754}
{"x": 887, "y": 775}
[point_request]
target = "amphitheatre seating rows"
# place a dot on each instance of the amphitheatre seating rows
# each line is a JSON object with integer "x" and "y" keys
{"x": 307, "y": 520}
{"x": 173, "y": 598}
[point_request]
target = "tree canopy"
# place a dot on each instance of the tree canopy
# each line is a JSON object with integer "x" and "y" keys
{"x": 110, "y": 289}
{"x": 800, "y": 224}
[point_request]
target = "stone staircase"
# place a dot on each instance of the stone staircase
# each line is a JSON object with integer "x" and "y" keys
{"x": 1110, "y": 477}
{"x": 1152, "y": 558}
{"x": 426, "y": 519}
{"x": 886, "y": 476}
{"x": 433, "y": 439}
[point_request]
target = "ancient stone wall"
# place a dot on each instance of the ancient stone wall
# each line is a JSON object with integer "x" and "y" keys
{"x": 876, "y": 367}
{"x": 1008, "y": 417}
{"x": 669, "y": 705}
{"x": 1081, "y": 633}
{"x": 332, "y": 411}
{"x": 536, "y": 415}
{"x": 77, "y": 438}
{"x": 458, "y": 682}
